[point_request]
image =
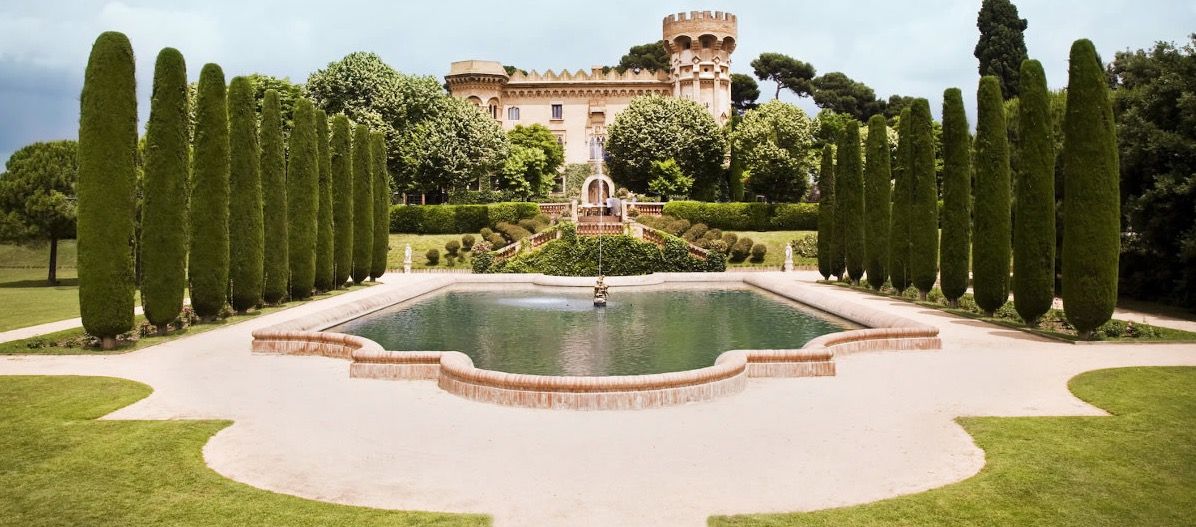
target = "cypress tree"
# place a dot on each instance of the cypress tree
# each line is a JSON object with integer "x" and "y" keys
{"x": 381, "y": 179}
{"x": 363, "y": 204}
{"x": 957, "y": 198}
{"x": 303, "y": 180}
{"x": 838, "y": 236}
{"x": 903, "y": 197}
{"x": 274, "y": 187}
{"x": 1034, "y": 224}
{"x": 324, "y": 255}
{"x": 164, "y": 212}
{"x": 877, "y": 183}
{"x": 245, "y": 200}
{"x": 924, "y": 212}
{"x": 990, "y": 252}
{"x": 1002, "y": 45}
{"x": 826, "y": 212}
{"x": 107, "y": 147}
{"x": 850, "y": 204}
{"x": 1091, "y": 234}
{"x": 342, "y": 198}
{"x": 208, "y": 260}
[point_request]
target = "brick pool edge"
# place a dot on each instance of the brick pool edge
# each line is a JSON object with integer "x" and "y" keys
{"x": 455, "y": 373}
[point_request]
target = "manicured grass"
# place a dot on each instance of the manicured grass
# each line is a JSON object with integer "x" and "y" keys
{"x": 420, "y": 243}
{"x": 1137, "y": 467}
{"x": 69, "y": 342}
{"x": 775, "y": 241}
{"x": 38, "y": 255}
{"x": 60, "y": 467}
{"x": 28, "y": 300}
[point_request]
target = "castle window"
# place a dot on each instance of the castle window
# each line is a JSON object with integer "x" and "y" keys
{"x": 513, "y": 113}
{"x": 558, "y": 112}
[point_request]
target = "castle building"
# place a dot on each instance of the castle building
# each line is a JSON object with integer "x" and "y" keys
{"x": 577, "y": 106}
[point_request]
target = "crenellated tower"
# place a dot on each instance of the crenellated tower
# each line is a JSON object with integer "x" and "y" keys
{"x": 700, "y": 44}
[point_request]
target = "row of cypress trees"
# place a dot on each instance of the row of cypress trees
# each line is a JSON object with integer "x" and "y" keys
{"x": 229, "y": 215}
{"x": 897, "y": 239}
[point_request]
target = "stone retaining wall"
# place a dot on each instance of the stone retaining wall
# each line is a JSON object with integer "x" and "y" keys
{"x": 455, "y": 373}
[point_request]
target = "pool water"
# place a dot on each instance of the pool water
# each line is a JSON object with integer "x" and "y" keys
{"x": 558, "y": 331}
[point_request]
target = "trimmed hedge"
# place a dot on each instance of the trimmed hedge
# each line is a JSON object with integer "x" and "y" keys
{"x": 457, "y": 219}
{"x": 747, "y": 216}
{"x": 622, "y": 255}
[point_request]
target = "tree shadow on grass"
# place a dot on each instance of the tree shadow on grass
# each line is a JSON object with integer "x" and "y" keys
{"x": 26, "y": 284}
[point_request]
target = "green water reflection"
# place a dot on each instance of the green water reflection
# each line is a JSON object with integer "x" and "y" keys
{"x": 555, "y": 331}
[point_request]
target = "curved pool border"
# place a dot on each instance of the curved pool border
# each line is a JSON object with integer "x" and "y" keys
{"x": 455, "y": 373}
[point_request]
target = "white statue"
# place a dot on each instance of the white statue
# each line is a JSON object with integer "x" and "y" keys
{"x": 788, "y": 258}
{"x": 407, "y": 259}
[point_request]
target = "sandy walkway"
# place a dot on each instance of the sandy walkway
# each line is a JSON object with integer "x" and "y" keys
{"x": 883, "y": 426}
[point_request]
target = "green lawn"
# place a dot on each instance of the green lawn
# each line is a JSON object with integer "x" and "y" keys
{"x": 1137, "y": 467}
{"x": 775, "y": 241}
{"x": 60, "y": 467}
{"x": 420, "y": 243}
{"x": 28, "y": 300}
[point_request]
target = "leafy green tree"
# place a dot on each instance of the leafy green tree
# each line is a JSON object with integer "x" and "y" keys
{"x": 1002, "y": 45}
{"x": 1158, "y": 170}
{"x": 655, "y": 128}
{"x": 877, "y": 201}
{"x": 107, "y": 147}
{"x": 744, "y": 92}
{"x": 1091, "y": 205}
{"x": 164, "y": 207}
{"x": 288, "y": 92}
{"x": 325, "y": 257}
{"x": 208, "y": 260}
{"x": 276, "y": 268}
{"x": 523, "y": 174}
{"x": 363, "y": 204}
{"x": 381, "y": 181}
{"x": 245, "y": 199}
{"x": 849, "y": 202}
{"x": 455, "y": 147}
{"x": 540, "y": 137}
{"x": 990, "y": 251}
{"x": 787, "y": 72}
{"x": 668, "y": 180}
{"x": 826, "y": 213}
{"x": 896, "y": 104}
{"x": 957, "y": 198}
{"x": 773, "y": 141}
{"x": 651, "y": 56}
{"x": 903, "y": 199}
{"x": 837, "y": 92}
{"x": 37, "y": 196}
{"x": 828, "y": 126}
{"x": 303, "y": 202}
{"x": 736, "y": 172}
{"x": 924, "y": 214}
{"x": 342, "y": 198}
{"x": 1034, "y": 224}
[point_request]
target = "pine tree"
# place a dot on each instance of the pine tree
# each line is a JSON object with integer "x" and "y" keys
{"x": 903, "y": 198}
{"x": 850, "y": 204}
{"x": 324, "y": 254}
{"x": 274, "y": 187}
{"x": 208, "y": 259}
{"x": 1002, "y": 45}
{"x": 363, "y": 204}
{"x": 990, "y": 251}
{"x": 164, "y": 211}
{"x": 107, "y": 147}
{"x": 957, "y": 198}
{"x": 1034, "y": 224}
{"x": 342, "y": 198}
{"x": 924, "y": 212}
{"x": 381, "y": 179}
{"x": 245, "y": 229}
{"x": 303, "y": 175}
{"x": 1091, "y": 197}
{"x": 877, "y": 201}
{"x": 826, "y": 212}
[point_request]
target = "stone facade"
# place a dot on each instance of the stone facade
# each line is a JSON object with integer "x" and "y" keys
{"x": 577, "y": 106}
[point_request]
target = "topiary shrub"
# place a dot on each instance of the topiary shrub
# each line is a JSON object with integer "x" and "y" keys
{"x": 274, "y": 187}
{"x": 325, "y": 251}
{"x": 805, "y": 245}
{"x": 341, "y": 151}
{"x": 303, "y": 182}
{"x": 380, "y": 179}
{"x": 209, "y": 255}
{"x": 730, "y": 239}
{"x": 433, "y": 256}
{"x": 496, "y": 240}
{"x": 718, "y": 246}
{"x": 530, "y": 226}
{"x": 363, "y": 204}
{"x": 758, "y": 252}
{"x": 742, "y": 249}
{"x": 695, "y": 232}
{"x": 467, "y": 242}
{"x": 512, "y": 233}
{"x": 245, "y": 199}
{"x": 452, "y": 247}
{"x": 483, "y": 259}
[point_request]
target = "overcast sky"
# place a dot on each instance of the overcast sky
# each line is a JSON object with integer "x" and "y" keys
{"x": 910, "y": 47}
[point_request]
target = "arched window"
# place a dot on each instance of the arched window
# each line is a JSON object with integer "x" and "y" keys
{"x": 512, "y": 113}
{"x": 492, "y": 106}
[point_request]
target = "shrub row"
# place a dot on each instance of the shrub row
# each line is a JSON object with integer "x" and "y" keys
{"x": 747, "y": 216}
{"x": 457, "y": 219}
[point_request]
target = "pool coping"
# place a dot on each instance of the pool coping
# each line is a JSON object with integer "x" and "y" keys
{"x": 455, "y": 373}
